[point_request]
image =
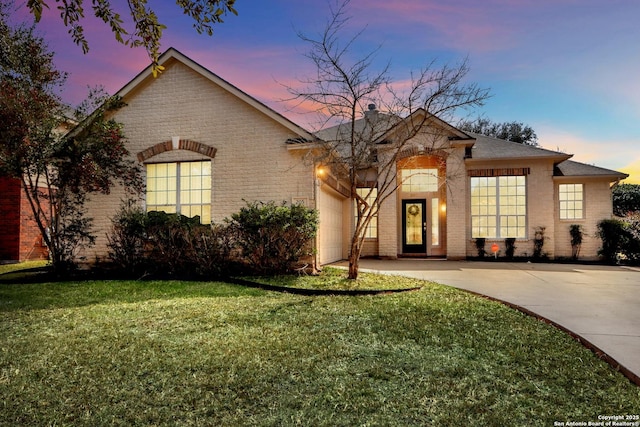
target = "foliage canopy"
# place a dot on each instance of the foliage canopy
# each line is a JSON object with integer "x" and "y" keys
{"x": 58, "y": 170}
{"x": 510, "y": 131}
{"x": 626, "y": 199}
{"x": 147, "y": 30}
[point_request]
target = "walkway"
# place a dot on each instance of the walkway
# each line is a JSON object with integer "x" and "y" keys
{"x": 599, "y": 303}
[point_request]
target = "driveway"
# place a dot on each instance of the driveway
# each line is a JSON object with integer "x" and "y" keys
{"x": 601, "y": 304}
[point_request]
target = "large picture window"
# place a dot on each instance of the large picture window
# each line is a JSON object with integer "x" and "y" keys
{"x": 498, "y": 207}
{"x": 571, "y": 201}
{"x": 369, "y": 194}
{"x": 183, "y": 187}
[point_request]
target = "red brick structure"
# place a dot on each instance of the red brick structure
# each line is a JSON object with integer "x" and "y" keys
{"x": 20, "y": 238}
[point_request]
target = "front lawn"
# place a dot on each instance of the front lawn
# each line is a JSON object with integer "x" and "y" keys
{"x": 208, "y": 353}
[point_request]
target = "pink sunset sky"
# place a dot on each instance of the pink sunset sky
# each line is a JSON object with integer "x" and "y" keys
{"x": 568, "y": 68}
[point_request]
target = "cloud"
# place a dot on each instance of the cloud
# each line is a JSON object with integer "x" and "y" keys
{"x": 466, "y": 26}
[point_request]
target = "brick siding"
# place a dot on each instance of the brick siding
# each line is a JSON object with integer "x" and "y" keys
{"x": 250, "y": 158}
{"x": 20, "y": 237}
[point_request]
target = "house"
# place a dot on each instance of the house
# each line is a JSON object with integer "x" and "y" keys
{"x": 207, "y": 146}
{"x": 20, "y": 237}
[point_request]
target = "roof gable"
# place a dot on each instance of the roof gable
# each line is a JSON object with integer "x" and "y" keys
{"x": 381, "y": 127}
{"x": 173, "y": 54}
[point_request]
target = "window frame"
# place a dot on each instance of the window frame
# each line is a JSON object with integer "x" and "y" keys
{"x": 419, "y": 180}
{"x": 371, "y": 232}
{"x": 499, "y": 207}
{"x": 178, "y": 185}
{"x": 569, "y": 201}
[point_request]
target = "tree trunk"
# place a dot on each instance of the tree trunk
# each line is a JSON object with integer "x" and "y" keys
{"x": 354, "y": 258}
{"x": 353, "y": 267}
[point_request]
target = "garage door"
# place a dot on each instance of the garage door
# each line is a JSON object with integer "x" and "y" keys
{"x": 330, "y": 230}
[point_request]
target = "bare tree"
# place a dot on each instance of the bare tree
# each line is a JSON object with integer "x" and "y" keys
{"x": 363, "y": 149}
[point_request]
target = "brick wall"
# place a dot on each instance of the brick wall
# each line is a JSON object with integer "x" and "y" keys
{"x": 31, "y": 244}
{"x": 9, "y": 219}
{"x": 20, "y": 238}
{"x": 597, "y": 206}
{"x": 251, "y": 158}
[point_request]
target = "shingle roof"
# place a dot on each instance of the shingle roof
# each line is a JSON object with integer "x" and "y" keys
{"x": 489, "y": 148}
{"x": 370, "y": 127}
{"x": 570, "y": 168}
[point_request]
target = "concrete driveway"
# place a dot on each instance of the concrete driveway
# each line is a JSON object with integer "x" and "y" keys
{"x": 601, "y": 304}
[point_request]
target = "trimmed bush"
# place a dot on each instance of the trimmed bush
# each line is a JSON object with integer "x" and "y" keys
{"x": 214, "y": 251}
{"x": 158, "y": 243}
{"x": 262, "y": 238}
{"x": 169, "y": 242}
{"x": 272, "y": 238}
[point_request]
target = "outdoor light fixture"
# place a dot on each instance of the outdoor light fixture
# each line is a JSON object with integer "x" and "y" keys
{"x": 320, "y": 171}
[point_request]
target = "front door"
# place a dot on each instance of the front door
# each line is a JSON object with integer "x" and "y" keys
{"x": 414, "y": 226}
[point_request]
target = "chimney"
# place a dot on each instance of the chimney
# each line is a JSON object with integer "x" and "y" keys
{"x": 371, "y": 112}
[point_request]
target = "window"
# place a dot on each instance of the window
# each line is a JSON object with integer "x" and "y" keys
{"x": 183, "y": 188}
{"x": 419, "y": 180}
{"x": 571, "y": 201}
{"x": 498, "y": 207}
{"x": 369, "y": 194}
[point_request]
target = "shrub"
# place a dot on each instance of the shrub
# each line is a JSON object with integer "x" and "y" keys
{"x": 575, "y": 230}
{"x": 632, "y": 226}
{"x": 214, "y": 249}
{"x": 169, "y": 243}
{"x": 538, "y": 243}
{"x": 161, "y": 243}
{"x": 626, "y": 199}
{"x": 510, "y": 247}
{"x": 611, "y": 232}
{"x": 265, "y": 237}
{"x": 480, "y": 242}
{"x": 126, "y": 240}
{"x": 620, "y": 239}
{"x": 273, "y": 237}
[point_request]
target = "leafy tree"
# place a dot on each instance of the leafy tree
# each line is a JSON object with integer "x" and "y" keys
{"x": 510, "y": 131}
{"x": 626, "y": 199}
{"x": 58, "y": 173}
{"x": 147, "y": 30}
{"x": 356, "y": 149}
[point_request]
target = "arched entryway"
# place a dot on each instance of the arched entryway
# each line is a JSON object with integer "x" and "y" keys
{"x": 422, "y": 211}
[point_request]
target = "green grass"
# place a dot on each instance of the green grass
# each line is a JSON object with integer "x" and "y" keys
{"x": 8, "y": 268}
{"x": 336, "y": 279}
{"x": 207, "y": 353}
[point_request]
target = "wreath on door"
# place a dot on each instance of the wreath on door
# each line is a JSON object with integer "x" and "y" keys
{"x": 413, "y": 210}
